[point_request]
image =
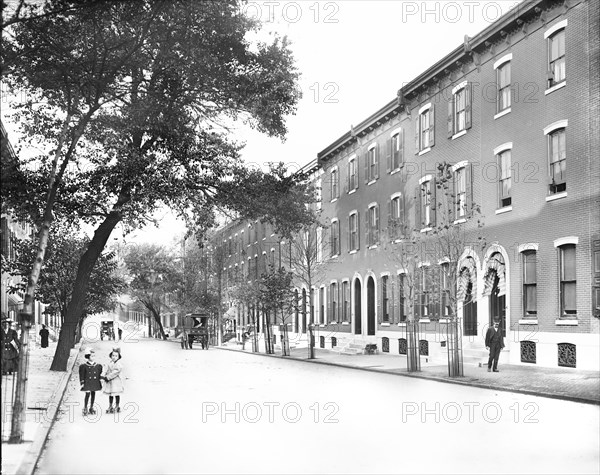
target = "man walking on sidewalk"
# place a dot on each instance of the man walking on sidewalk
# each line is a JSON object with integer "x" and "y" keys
{"x": 494, "y": 342}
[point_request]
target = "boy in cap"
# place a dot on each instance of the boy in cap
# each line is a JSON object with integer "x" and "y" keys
{"x": 89, "y": 378}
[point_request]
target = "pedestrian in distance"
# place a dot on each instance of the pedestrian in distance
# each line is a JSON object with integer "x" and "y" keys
{"x": 44, "y": 333}
{"x": 89, "y": 379}
{"x": 113, "y": 383}
{"x": 120, "y": 331}
{"x": 494, "y": 342}
{"x": 10, "y": 347}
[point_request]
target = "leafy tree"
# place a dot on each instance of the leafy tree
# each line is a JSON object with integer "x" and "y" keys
{"x": 155, "y": 276}
{"x": 65, "y": 248}
{"x": 278, "y": 301}
{"x": 151, "y": 106}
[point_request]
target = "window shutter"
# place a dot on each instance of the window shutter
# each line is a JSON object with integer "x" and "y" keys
{"x": 331, "y": 235}
{"x": 432, "y": 125}
{"x": 329, "y": 303}
{"x": 401, "y": 147}
{"x": 418, "y": 203}
{"x": 392, "y": 305}
{"x": 403, "y": 220}
{"x": 451, "y": 116}
{"x": 596, "y": 275}
{"x": 338, "y": 303}
{"x": 453, "y": 198}
{"x": 390, "y": 226}
{"x": 377, "y": 160}
{"x": 357, "y": 230}
{"x": 468, "y": 105}
{"x": 417, "y": 128}
{"x": 356, "y": 167}
{"x": 380, "y": 301}
{"x": 368, "y": 228}
{"x": 469, "y": 189}
{"x": 367, "y": 177}
{"x": 434, "y": 205}
{"x": 390, "y": 154}
{"x": 349, "y": 235}
{"x": 376, "y": 231}
{"x": 348, "y": 177}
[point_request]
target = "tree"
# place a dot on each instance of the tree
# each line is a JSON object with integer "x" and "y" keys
{"x": 180, "y": 73}
{"x": 430, "y": 261}
{"x": 154, "y": 277}
{"x": 278, "y": 301}
{"x": 56, "y": 281}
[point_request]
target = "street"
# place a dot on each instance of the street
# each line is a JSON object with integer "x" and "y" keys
{"x": 221, "y": 411}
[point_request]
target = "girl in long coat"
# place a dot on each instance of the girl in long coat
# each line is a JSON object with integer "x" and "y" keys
{"x": 10, "y": 348}
{"x": 114, "y": 384}
{"x": 89, "y": 377}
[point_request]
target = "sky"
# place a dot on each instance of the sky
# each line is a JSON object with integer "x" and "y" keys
{"x": 353, "y": 56}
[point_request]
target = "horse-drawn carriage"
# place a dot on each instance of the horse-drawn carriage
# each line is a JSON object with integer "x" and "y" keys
{"x": 195, "y": 330}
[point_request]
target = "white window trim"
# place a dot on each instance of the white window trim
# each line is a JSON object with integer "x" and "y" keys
{"x": 396, "y": 131}
{"x": 374, "y": 180}
{"x": 425, "y": 150}
{"x": 506, "y": 209}
{"x": 559, "y": 124}
{"x": 459, "y": 165}
{"x": 458, "y": 87}
{"x": 372, "y": 146}
{"x": 384, "y": 274}
{"x": 504, "y": 112}
{"x": 556, "y": 196}
{"x": 352, "y": 157}
{"x": 460, "y": 221}
{"x": 501, "y": 148}
{"x": 528, "y": 321}
{"x": 424, "y": 108}
{"x": 570, "y": 322}
{"x": 459, "y": 134}
{"x": 352, "y": 191}
{"x": 425, "y": 178}
{"x": 372, "y": 204}
{"x": 566, "y": 240}
{"x": 555, "y": 87}
{"x": 528, "y": 246}
{"x": 424, "y": 264}
{"x": 554, "y": 28}
{"x": 504, "y": 59}
{"x": 424, "y": 230}
{"x": 396, "y": 195}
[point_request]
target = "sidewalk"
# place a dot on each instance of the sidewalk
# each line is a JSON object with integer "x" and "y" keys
{"x": 45, "y": 390}
{"x": 559, "y": 383}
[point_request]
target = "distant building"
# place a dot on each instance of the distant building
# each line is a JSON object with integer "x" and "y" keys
{"x": 515, "y": 110}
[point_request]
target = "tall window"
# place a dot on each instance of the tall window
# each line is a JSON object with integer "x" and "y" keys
{"x": 319, "y": 244}
{"x": 372, "y": 225}
{"x": 397, "y": 150}
{"x": 425, "y": 130}
{"x": 505, "y": 180}
{"x": 335, "y": 238}
{"x": 345, "y": 301}
{"x": 333, "y": 303}
{"x": 422, "y": 293}
{"x": 353, "y": 232}
{"x": 372, "y": 165}
{"x": 459, "y": 109}
{"x": 529, "y": 259}
{"x": 504, "y": 90}
{"x": 445, "y": 297}
{"x": 396, "y": 216}
{"x": 319, "y": 190}
{"x": 385, "y": 299}
{"x": 568, "y": 280}
{"x": 335, "y": 184}
{"x": 352, "y": 175}
{"x": 402, "y": 303}
{"x": 322, "y": 305}
{"x": 558, "y": 161}
{"x": 557, "y": 72}
{"x": 460, "y": 192}
{"x": 426, "y": 201}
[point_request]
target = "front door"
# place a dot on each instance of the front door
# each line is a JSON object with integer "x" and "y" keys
{"x": 470, "y": 312}
{"x": 357, "y": 307}
{"x": 370, "y": 306}
{"x": 498, "y": 306}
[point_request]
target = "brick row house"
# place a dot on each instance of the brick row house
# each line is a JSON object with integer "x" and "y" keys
{"x": 514, "y": 113}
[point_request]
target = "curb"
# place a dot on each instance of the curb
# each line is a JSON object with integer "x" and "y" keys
{"x": 565, "y": 397}
{"x": 32, "y": 456}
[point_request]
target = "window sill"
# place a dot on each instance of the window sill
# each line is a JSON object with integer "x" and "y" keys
{"x": 424, "y": 230}
{"x": 506, "y": 209}
{"x": 334, "y": 256}
{"x": 560, "y": 322}
{"x": 352, "y": 191}
{"x": 321, "y": 325}
{"x": 556, "y": 196}
{"x": 460, "y": 221}
{"x": 459, "y": 134}
{"x": 444, "y": 320}
{"x": 424, "y": 151}
{"x": 374, "y": 246}
{"x": 528, "y": 321}
{"x": 334, "y": 200}
{"x": 395, "y": 170}
{"x": 384, "y": 324}
{"x": 560, "y": 85}
{"x": 354, "y": 251}
{"x": 345, "y": 323}
{"x": 504, "y": 112}
{"x": 424, "y": 320}
{"x": 333, "y": 322}
{"x": 372, "y": 181}
{"x": 402, "y": 324}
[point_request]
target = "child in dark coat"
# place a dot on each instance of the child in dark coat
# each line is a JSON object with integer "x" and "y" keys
{"x": 89, "y": 378}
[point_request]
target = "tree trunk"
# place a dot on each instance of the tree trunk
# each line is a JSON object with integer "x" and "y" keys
{"x": 160, "y": 326}
{"x": 77, "y": 303}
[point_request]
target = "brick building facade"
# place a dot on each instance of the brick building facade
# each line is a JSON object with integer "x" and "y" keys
{"x": 514, "y": 111}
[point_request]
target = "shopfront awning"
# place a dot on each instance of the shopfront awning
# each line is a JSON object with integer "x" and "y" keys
{"x": 495, "y": 268}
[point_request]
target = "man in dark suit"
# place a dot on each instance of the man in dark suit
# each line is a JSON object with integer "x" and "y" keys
{"x": 494, "y": 342}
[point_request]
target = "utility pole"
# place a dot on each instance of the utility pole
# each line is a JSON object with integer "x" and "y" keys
{"x": 20, "y": 401}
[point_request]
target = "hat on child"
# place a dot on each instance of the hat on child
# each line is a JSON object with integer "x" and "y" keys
{"x": 88, "y": 351}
